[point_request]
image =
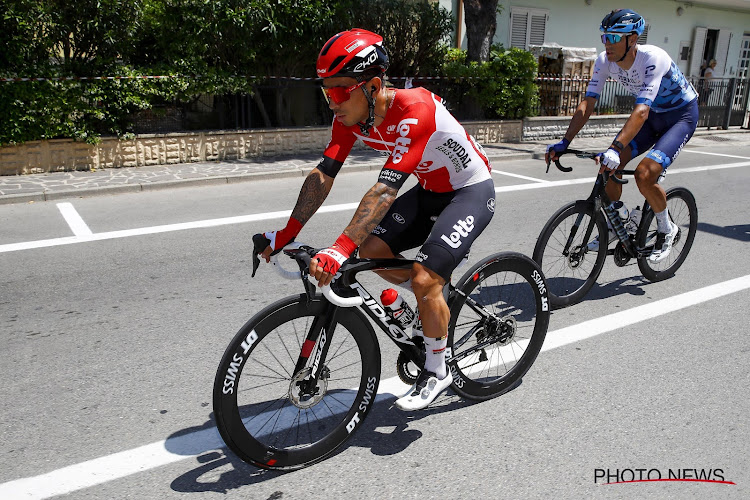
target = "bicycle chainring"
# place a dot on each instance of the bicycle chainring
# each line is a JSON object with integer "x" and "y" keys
{"x": 621, "y": 255}
{"x": 301, "y": 394}
{"x": 406, "y": 369}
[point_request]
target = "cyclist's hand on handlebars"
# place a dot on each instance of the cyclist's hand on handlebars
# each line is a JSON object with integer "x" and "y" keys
{"x": 326, "y": 263}
{"x": 279, "y": 239}
{"x": 610, "y": 159}
{"x": 553, "y": 150}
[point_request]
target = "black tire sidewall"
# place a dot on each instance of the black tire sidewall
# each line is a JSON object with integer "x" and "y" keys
{"x": 226, "y": 412}
{"x": 565, "y": 212}
{"x": 526, "y": 267}
{"x": 643, "y": 263}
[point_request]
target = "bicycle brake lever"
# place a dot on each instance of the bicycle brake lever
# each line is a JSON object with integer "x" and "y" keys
{"x": 260, "y": 242}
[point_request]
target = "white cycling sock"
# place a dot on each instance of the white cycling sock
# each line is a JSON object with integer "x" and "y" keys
{"x": 662, "y": 221}
{"x": 435, "y": 361}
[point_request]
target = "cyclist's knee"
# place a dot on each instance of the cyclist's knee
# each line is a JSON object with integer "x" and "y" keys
{"x": 426, "y": 283}
{"x": 648, "y": 172}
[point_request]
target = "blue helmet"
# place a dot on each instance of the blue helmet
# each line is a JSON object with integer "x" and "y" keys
{"x": 623, "y": 21}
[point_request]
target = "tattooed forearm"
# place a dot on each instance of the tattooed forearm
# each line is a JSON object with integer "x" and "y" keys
{"x": 370, "y": 212}
{"x": 314, "y": 191}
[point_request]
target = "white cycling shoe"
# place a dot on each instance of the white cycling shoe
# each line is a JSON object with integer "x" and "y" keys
{"x": 593, "y": 245}
{"x": 663, "y": 244}
{"x": 424, "y": 391}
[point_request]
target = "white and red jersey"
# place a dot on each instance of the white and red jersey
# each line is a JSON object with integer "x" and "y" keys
{"x": 422, "y": 138}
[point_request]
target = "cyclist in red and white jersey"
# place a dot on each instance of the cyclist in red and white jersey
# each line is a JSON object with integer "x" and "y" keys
{"x": 442, "y": 215}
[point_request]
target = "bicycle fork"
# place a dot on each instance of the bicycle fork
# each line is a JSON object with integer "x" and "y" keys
{"x": 320, "y": 333}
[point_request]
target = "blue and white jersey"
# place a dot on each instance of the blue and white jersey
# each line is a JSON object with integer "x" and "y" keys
{"x": 654, "y": 79}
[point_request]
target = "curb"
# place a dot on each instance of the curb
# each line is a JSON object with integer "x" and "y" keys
{"x": 38, "y": 196}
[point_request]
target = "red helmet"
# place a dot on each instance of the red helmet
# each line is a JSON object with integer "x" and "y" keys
{"x": 352, "y": 53}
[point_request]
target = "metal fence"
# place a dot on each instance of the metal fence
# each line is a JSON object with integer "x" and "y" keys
{"x": 280, "y": 102}
{"x": 721, "y": 102}
{"x": 298, "y": 102}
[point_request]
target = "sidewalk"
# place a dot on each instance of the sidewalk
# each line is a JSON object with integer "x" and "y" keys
{"x": 62, "y": 185}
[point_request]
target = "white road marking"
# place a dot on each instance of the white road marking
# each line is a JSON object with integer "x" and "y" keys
{"x": 500, "y": 172}
{"x": 714, "y": 154}
{"x": 150, "y": 456}
{"x": 74, "y": 220}
{"x": 28, "y": 245}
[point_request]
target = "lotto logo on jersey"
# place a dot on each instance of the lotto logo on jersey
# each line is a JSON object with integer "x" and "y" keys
{"x": 401, "y": 145}
{"x": 462, "y": 230}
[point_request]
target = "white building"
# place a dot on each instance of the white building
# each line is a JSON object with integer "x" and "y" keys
{"x": 693, "y": 33}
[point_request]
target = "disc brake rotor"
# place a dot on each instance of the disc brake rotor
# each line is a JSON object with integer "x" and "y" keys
{"x": 575, "y": 257}
{"x": 301, "y": 394}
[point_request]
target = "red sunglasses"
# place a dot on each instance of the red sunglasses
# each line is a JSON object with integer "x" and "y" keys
{"x": 339, "y": 94}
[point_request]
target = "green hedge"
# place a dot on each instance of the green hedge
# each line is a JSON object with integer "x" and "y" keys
{"x": 502, "y": 87}
{"x": 216, "y": 40}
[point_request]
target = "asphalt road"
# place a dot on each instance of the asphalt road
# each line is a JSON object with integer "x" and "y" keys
{"x": 115, "y": 311}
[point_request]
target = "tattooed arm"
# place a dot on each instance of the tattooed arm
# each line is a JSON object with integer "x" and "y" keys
{"x": 370, "y": 212}
{"x": 314, "y": 192}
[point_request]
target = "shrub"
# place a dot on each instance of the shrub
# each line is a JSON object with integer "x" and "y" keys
{"x": 502, "y": 87}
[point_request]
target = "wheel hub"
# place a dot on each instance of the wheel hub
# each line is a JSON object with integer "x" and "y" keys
{"x": 500, "y": 330}
{"x": 305, "y": 393}
{"x": 575, "y": 257}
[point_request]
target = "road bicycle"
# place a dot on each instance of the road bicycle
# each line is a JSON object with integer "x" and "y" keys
{"x": 571, "y": 267}
{"x": 299, "y": 378}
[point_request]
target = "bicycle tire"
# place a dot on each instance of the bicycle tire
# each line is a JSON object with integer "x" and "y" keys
{"x": 488, "y": 356}
{"x": 569, "y": 278}
{"x": 683, "y": 211}
{"x": 259, "y": 409}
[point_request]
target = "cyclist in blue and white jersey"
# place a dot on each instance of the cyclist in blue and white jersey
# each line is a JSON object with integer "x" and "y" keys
{"x": 663, "y": 120}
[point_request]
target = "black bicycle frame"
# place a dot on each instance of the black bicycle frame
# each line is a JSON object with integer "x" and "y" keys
{"x": 323, "y": 326}
{"x": 601, "y": 202}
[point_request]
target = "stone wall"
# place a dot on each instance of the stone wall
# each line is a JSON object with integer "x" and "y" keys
{"x": 60, "y": 155}
{"x": 552, "y": 128}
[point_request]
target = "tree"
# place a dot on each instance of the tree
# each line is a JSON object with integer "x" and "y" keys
{"x": 481, "y": 24}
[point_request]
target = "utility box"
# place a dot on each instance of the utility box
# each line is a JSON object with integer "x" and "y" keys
{"x": 564, "y": 75}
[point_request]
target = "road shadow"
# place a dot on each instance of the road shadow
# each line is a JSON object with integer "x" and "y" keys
{"x": 385, "y": 432}
{"x": 633, "y": 285}
{"x": 739, "y": 232}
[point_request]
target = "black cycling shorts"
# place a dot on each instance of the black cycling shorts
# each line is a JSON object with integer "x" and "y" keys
{"x": 444, "y": 224}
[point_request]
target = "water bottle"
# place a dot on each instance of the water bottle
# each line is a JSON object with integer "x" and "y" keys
{"x": 622, "y": 210}
{"x": 635, "y": 220}
{"x": 397, "y": 308}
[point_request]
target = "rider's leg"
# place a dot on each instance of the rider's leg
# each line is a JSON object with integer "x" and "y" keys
{"x": 435, "y": 377}
{"x": 375, "y": 248}
{"x": 434, "y": 312}
{"x": 647, "y": 178}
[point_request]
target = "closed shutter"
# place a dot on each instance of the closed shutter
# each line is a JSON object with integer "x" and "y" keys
{"x": 527, "y": 27}
{"x": 518, "y": 23}
{"x": 538, "y": 26}
{"x": 699, "y": 43}
{"x": 722, "y": 51}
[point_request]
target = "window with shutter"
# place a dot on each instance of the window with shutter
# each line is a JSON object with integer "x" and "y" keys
{"x": 527, "y": 27}
{"x": 518, "y": 23}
